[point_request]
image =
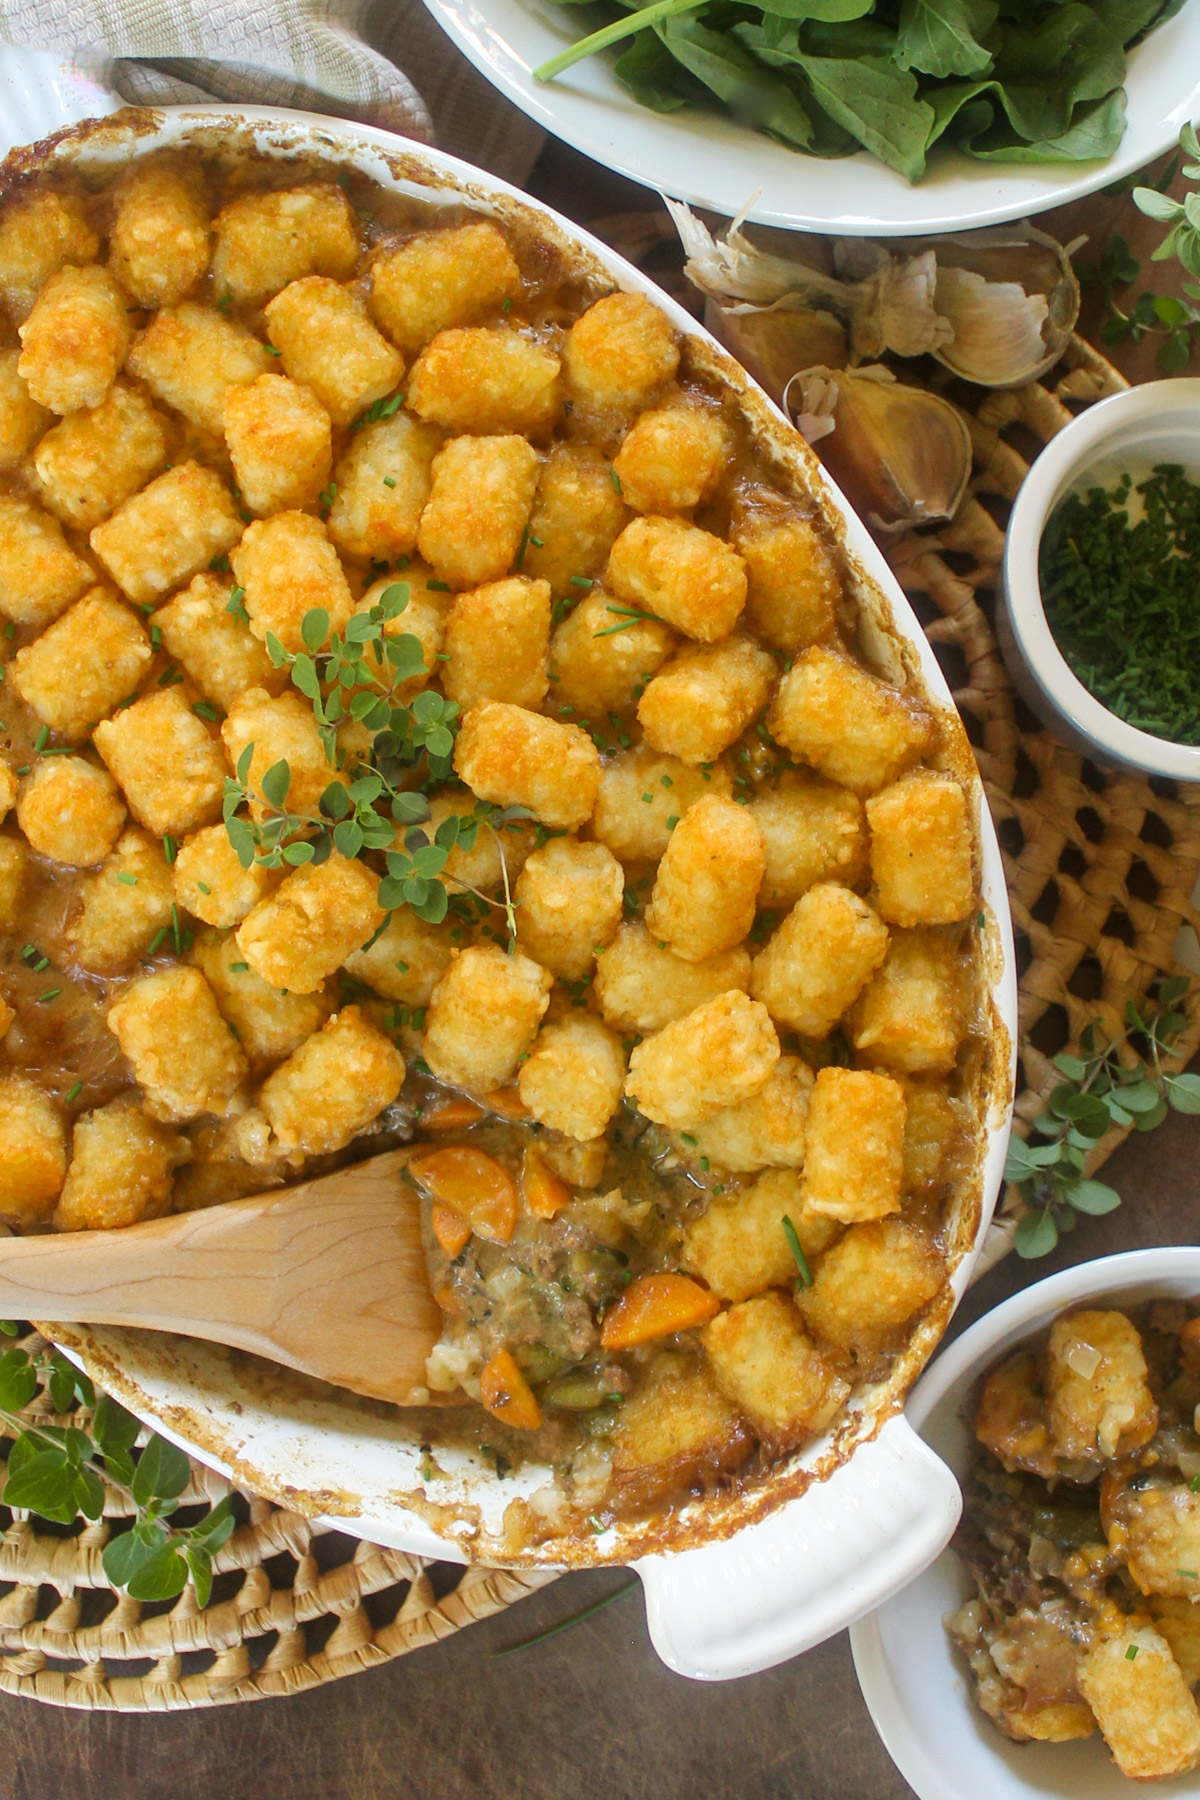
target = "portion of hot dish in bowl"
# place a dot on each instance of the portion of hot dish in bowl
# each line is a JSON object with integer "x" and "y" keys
{"x": 443, "y": 709}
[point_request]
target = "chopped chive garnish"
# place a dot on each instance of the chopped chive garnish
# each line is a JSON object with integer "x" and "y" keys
{"x": 176, "y": 932}
{"x": 794, "y": 1245}
{"x": 205, "y": 709}
{"x": 42, "y": 739}
{"x": 24, "y": 769}
{"x": 271, "y": 350}
{"x": 50, "y": 994}
{"x": 124, "y": 876}
{"x": 204, "y": 887}
{"x": 616, "y": 480}
{"x": 156, "y": 940}
{"x": 389, "y": 481}
{"x": 155, "y": 636}
{"x": 688, "y": 1138}
{"x": 672, "y": 821}
{"x": 170, "y": 848}
{"x": 1188, "y": 1574}
{"x": 647, "y": 799}
{"x": 73, "y": 1093}
{"x": 239, "y": 968}
{"x": 582, "y": 581}
{"x": 1131, "y": 1653}
{"x": 438, "y": 587}
{"x": 170, "y": 677}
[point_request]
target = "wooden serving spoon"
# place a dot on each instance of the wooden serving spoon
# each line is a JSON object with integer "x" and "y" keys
{"x": 328, "y": 1277}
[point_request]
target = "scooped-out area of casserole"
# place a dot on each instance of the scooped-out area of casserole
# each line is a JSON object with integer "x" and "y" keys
{"x": 431, "y": 716}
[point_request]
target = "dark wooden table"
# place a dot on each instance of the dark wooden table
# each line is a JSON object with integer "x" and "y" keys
{"x": 590, "y": 1711}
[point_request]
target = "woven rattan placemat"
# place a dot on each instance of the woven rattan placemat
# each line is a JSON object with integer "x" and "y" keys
{"x": 1101, "y": 870}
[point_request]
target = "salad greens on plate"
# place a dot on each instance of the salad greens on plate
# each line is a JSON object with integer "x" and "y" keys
{"x": 1012, "y": 81}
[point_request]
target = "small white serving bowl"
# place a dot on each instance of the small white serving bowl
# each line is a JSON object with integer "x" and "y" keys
{"x": 912, "y": 1678}
{"x": 1156, "y": 423}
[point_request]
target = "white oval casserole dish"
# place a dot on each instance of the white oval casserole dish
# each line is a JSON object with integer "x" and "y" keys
{"x": 738, "y": 1580}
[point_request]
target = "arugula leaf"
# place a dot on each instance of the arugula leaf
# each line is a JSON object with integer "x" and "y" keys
{"x": 877, "y": 103}
{"x": 942, "y": 37}
{"x": 754, "y": 97}
{"x": 650, "y": 73}
{"x": 1095, "y": 134}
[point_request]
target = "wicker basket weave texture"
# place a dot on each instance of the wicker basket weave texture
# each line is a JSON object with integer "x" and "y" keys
{"x": 289, "y": 1608}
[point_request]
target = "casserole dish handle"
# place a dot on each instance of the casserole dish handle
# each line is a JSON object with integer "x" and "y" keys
{"x": 808, "y": 1570}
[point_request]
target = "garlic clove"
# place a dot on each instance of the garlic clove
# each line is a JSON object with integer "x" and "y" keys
{"x": 772, "y": 342}
{"x": 902, "y": 454}
{"x": 1011, "y": 298}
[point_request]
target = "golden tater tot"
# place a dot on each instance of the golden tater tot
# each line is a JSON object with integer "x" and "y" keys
{"x": 220, "y": 655}
{"x": 39, "y": 232}
{"x": 406, "y": 961}
{"x": 122, "y": 1165}
{"x": 872, "y": 1281}
{"x": 168, "y": 532}
{"x": 316, "y": 918}
{"x": 739, "y": 1245}
{"x": 619, "y": 352}
{"x": 765, "y": 1362}
{"x": 8, "y": 790}
{"x": 820, "y": 959}
{"x": 601, "y": 658}
{"x": 478, "y": 379}
{"x": 71, "y": 811}
{"x": 270, "y": 1022}
{"x": 571, "y": 1080}
{"x": 1098, "y": 1399}
{"x": 184, "y": 1056}
{"x": 642, "y": 986}
{"x": 910, "y": 1015}
{"x": 716, "y": 1056}
{"x": 333, "y": 1085}
{"x": 442, "y": 278}
{"x": 123, "y": 906}
{"x": 14, "y": 858}
{"x": 576, "y": 516}
{"x": 210, "y": 882}
{"x": 681, "y": 574}
{"x": 264, "y": 241}
{"x": 708, "y": 880}
{"x": 1141, "y": 1702}
{"x": 642, "y": 798}
{"x": 83, "y": 665}
{"x": 794, "y": 589}
{"x": 921, "y": 852}
{"x": 280, "y": 443}
{"x": 158, "y": 246}
{"x": 169, "y": 765}
{"x": 853, "y": 728}
{"x": 497, "y": 641}
{"x": 190, "y": 355}
{"x": 517, "y": 758}
{"x": 74, "y": 341}
{"x": 813, "y": 831}
{"x": 22, "y": 420}
{"x": 97, "y": 457}
{"x": 33, "y": 1149}
{"x": 568, "y": 906}
{"x": 672, "y": 459}
{"x": 40, "y": 575}
{"x": 855, "y": 1150}
{"x": 383, "y": 481}
{"x": 483, "y": 1017}
{"x": 478, "y": 508}
{"x": 766, "y": 1131}
{"x": 702, "y": 701}
{"x": 288, "y": 566}
{"x": 327, "y": 341}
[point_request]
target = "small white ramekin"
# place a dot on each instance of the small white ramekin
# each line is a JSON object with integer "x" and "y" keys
{"x": 1159, "y": 422}
{"x": 913, "y": 1680}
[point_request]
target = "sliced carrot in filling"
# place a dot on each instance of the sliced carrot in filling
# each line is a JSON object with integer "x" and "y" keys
{"x": 508, "y": 1103}
{"x": 542, "y": 1191}
{"x": 452, "y": 1115}
{"x": 449, "y": 1228}
{"x": 655, "y": 1306}
{"x": 506, "y": 1394}
{"x": 474, "y": 1185}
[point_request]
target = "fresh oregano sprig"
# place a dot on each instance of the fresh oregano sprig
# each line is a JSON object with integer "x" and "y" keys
{"x": 55, "y": 1471}
{"x": 1175, "y": 320}
{"x": 354, "y": 675}
{"x": 1100, "y": 1090}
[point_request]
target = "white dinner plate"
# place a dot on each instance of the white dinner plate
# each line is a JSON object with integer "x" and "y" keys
{"x": 713, "y": 162}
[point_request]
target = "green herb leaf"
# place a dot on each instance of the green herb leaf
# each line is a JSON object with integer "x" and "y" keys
{"x": 1093, "y": 1197}
{"x": 162, "y": 1473}
{"x": 44, "y": 1485}
{"x": 942, "y": 37}
{"x": 1036, "y": 1235}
